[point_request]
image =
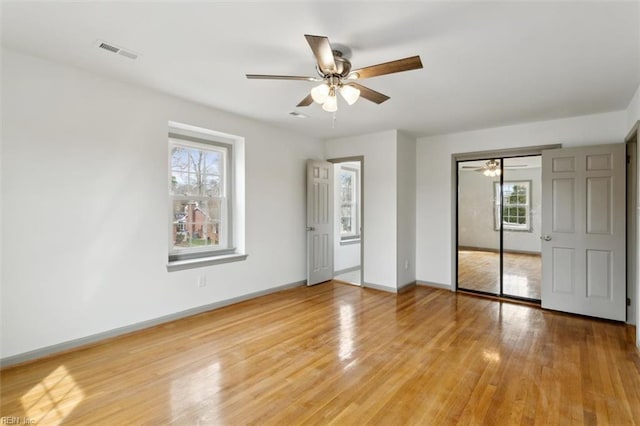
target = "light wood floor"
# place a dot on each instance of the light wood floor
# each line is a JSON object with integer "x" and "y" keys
{"x": 338, "y": 354}
{"x": 480, "y": 270}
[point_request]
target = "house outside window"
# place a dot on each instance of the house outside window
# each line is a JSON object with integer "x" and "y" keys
{"x": 513, "y": 209}
{"x": 349, "y": 202}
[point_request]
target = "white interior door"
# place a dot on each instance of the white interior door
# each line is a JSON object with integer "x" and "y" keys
{"x": 583, "y": 231}
{"x": 319, "y": 221}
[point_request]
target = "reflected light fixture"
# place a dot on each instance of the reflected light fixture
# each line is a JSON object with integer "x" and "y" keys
{"x": 492, "y": 169}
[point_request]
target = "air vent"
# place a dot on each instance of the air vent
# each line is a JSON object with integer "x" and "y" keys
{"x": 128, "y": 54}
{"x": 109, "y": 47}
{"x": 297, "y": 114}
{"x": 116, "y": 49}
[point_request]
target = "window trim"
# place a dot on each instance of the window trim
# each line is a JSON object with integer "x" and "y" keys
{"x": 354, "y": 237}
{"x": 498, "y": 206}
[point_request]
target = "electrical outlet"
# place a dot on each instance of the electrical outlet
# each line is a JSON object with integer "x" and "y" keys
{"x": 202, "y": 281}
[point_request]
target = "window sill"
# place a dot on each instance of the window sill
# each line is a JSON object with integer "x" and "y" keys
{"x": 349, "y": 241}
{"x": 177, "y": 265}
{"x": 514, "y": 230}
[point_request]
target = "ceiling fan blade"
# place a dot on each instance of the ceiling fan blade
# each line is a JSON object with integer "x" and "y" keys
{"x": 323, "y": 52}
{"x": 308, "y": 100}
{"x": 515, "y": 166}
{"x": 406, "y": 64}
{"x": 369, "y": 94}
{"x": 281, "y": 77}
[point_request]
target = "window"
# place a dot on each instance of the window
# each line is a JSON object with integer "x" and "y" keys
{"x": 349, "y": 202}
{"x": 515, "y": 203}
{"x": 203, "y": 208}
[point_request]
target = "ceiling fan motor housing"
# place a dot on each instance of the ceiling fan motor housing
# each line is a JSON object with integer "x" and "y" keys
{"x": 343, "y": 67}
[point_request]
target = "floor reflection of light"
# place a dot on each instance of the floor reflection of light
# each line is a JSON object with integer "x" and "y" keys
{"x": 53, "y": 399}
{"x": 490, "y": 356}
{"x": 346, "y": 331}
{"x": 516, "y": 281}
{"x": 197, "y": 389}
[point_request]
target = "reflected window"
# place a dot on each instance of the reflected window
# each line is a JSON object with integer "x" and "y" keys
{"x": 513, "y": 209}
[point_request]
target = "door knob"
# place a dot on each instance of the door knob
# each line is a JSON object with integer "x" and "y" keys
{"x": 310, "y": 228}
{"x": 546, "y": 237}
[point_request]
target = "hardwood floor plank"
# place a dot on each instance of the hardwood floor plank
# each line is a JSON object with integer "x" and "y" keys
{"x": 339, "y": 354}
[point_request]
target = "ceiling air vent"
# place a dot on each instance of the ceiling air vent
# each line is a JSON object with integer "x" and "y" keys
{"x": 109, "y": 47}
{"x": 115, "y": 49}
{"x": 128, "y": 54}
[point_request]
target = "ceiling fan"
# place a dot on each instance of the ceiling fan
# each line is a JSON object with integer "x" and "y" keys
{"x": 492, "y": 168}
{"x": 335, "y": 74}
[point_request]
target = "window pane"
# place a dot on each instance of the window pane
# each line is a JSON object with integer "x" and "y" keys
{"x": 180, "y": 183}
{"x": 346, "y": 225}
{"x": 196, "y": 223}
{"x": 213, "y": 186}
{"x": 348, "y": 201}
{"x": 197, "y": 171}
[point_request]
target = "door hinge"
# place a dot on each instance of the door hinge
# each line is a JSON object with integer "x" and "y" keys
{"x": 628, "y": 159}
{"x": 628, "y": 302}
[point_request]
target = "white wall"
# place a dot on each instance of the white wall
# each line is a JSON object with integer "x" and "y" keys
{"x": 379, "y": 190}
{"x": 348, "y": 255}
{"x": 633, "y": 110}
{"x": 84, "y": 228}
{"x": 434, "y": 175}
{"x": 406, "y": 259}
{"x": 476, "y": 226}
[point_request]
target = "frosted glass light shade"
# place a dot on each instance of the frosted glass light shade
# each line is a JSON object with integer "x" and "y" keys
{"x": 331, "y": 104}
{"x": 350, "y": 94}
{"x": 320, "y": 93}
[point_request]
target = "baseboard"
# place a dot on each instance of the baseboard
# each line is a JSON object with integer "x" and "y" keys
{"x": 380, "y": 287}
{"x": 344, "y": 271}
{"x": 406, "y": 287}
{"x": 95, "y": 338}
{"x": 493, "y": 250}
{"x": 434, "y": 285}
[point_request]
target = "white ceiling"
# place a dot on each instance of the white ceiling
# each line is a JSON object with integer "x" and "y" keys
{"x": 486, "y": 64}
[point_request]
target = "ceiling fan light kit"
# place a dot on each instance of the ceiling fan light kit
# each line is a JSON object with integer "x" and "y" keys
{"x": 335, "y": 73}
{"x": 331, "y": 102}
{"x": 320, "y": 93}
{"x": 350, "y": 94}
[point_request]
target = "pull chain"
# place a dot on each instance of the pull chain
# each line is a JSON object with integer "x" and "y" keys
{"x": 333, "y": 121}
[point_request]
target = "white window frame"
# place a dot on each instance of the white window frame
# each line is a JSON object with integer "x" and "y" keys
{"x": 498, "y": 207}
{"x": 355, "y": 203}
{"x": 230, "y": 246}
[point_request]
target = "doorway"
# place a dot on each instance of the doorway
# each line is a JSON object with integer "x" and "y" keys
{"x": 499, "y": 226}
{"x": 348, "y": 197}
